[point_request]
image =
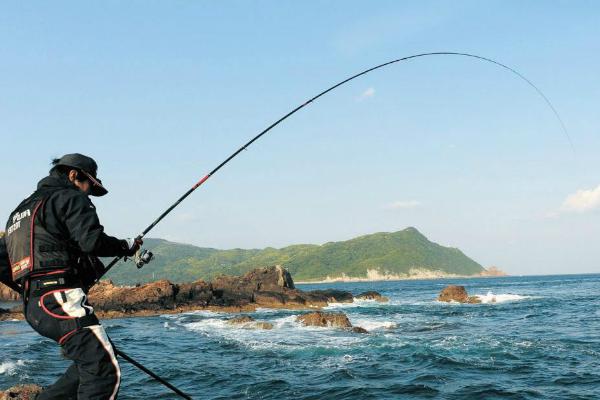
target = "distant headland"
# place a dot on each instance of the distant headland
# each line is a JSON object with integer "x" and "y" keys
{"x": 405, "y": 254}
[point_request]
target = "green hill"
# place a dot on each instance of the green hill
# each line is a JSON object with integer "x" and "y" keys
{"x": 394, "y": 253}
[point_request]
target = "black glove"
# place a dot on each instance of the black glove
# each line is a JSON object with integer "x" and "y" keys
{"x": 131, "y": 246}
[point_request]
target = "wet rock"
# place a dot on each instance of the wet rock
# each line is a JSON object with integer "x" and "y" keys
{"x": 372, "y": 295}
{"x": 458, "y": 294}
{"x": 325, "y": 319}
{"x": 332, "y": 296}
{"x": 358, "y": 329}
{"x": 243, "y": 319}
{"x": 262, "y": 325}
{"x": 248, "y": 322}
{"x": 21, "y": 392}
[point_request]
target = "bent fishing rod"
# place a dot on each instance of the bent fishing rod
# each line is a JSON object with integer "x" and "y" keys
{"x": 324, "y": 92}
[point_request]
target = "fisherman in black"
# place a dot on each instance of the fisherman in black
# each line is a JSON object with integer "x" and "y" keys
{"x": 53, "y": 240}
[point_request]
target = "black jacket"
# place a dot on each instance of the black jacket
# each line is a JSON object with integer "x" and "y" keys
{"x": 70, "y": 215}
{"x": 5, "y": 273}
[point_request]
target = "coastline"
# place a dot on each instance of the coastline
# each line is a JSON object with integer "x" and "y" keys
{"x": 374, "y": 275}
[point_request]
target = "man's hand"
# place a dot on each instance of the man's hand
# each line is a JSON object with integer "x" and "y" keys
{"x": 131, "y": 246}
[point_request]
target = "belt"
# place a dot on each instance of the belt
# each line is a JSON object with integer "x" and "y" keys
{"x": 40, "y": 285}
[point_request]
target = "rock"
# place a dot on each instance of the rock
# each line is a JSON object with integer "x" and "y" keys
{"x": 372, "y": 295}
{"x": 198, "y": 292}
{"x": 230, "y": 290}
{"x": 7, "y": 294}
{"x": 6, "y": 315}
{"x": 458, "y": 294}
{"x": 325, "y": 319}
{"x": 244, "y": 319}
{"x": 333, "y": 296}
{"x": 358, "y": 329}
{"x": 248, "y": 322}
{"x": 152, "y": 296}
{"x": 270, "y": 279}
{"x": 263, "y": 325}
{"x": 21, "y": 392}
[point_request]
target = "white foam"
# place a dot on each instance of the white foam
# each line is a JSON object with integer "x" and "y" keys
{"x": 287, "y": 335}
{"x": 371, "y": 325}
{"x": 10, "y": 367}
{"x": 355, "y": 303}
{"x": 491, "y": 298}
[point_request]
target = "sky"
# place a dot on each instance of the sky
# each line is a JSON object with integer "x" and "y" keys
{"x": 160, "y": 92}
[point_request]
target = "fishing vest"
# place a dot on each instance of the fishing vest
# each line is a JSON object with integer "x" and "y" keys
{"x": 31, "y": 249}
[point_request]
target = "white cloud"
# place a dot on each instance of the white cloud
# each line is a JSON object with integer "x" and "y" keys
{"x": 397, "y": 205}
{"x": 582, "y": 201}
{"x": 370, "y": 92}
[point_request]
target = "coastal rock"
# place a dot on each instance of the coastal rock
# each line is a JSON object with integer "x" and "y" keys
{"x": 457, "y": 293}
{"x": 248, "y": 322}
{"x": 332, "y": 296}
{"x": 325, "y": 319}
{"x": 358, "y": 329}
{"x": 7, "y": 294}
{"x": 198, "y": 293}
{"x": 152, "y": 296}
{"x": 243, "y": 319}
{"x": 372, "y": 295}
{"x": 21, "y": 392}
{"x": 7, "y": 315}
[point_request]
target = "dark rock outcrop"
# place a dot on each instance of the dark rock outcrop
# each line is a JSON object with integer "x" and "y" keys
{"x": 458, "y": 294}
{"x": 372, "y": 295}
{"x": 270, "y": 287}
{"x": 332, "y": 296}
{"x": 325, "y": 319}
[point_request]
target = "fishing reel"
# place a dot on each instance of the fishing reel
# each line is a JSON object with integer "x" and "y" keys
{"x": 142, "y": 257}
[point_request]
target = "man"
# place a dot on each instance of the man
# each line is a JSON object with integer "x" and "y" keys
{"x": 53, "y": 240}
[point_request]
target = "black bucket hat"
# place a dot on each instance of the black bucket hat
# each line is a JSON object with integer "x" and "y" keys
{"x": 88, "y": 167}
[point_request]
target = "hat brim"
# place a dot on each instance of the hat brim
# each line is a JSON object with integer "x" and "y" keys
{"x": 97, "y": 189}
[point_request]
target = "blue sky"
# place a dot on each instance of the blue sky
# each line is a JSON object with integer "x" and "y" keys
{"x": 160, "y": 92}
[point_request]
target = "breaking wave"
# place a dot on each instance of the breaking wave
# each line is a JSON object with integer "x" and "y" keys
{"x": 11, "y": 367}
{"x": 491, "y": 298}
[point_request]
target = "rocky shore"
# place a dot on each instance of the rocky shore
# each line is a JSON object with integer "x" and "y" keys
{"x": 270, "y": 287}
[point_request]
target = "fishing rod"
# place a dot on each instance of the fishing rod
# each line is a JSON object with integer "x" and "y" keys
{"x": 324, "y": 92}
{"x": 152, "y": 374}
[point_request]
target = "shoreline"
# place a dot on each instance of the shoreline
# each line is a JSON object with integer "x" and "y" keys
{"x": 413, "y": 275}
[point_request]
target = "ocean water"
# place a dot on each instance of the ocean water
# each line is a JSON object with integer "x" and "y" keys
{"x": 532, "y": 338}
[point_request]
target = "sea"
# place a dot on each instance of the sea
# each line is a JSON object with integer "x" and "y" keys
{"x": 532, "y": 337}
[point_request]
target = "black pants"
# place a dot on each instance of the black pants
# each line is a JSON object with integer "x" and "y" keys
{"x": 95, "y": 373}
